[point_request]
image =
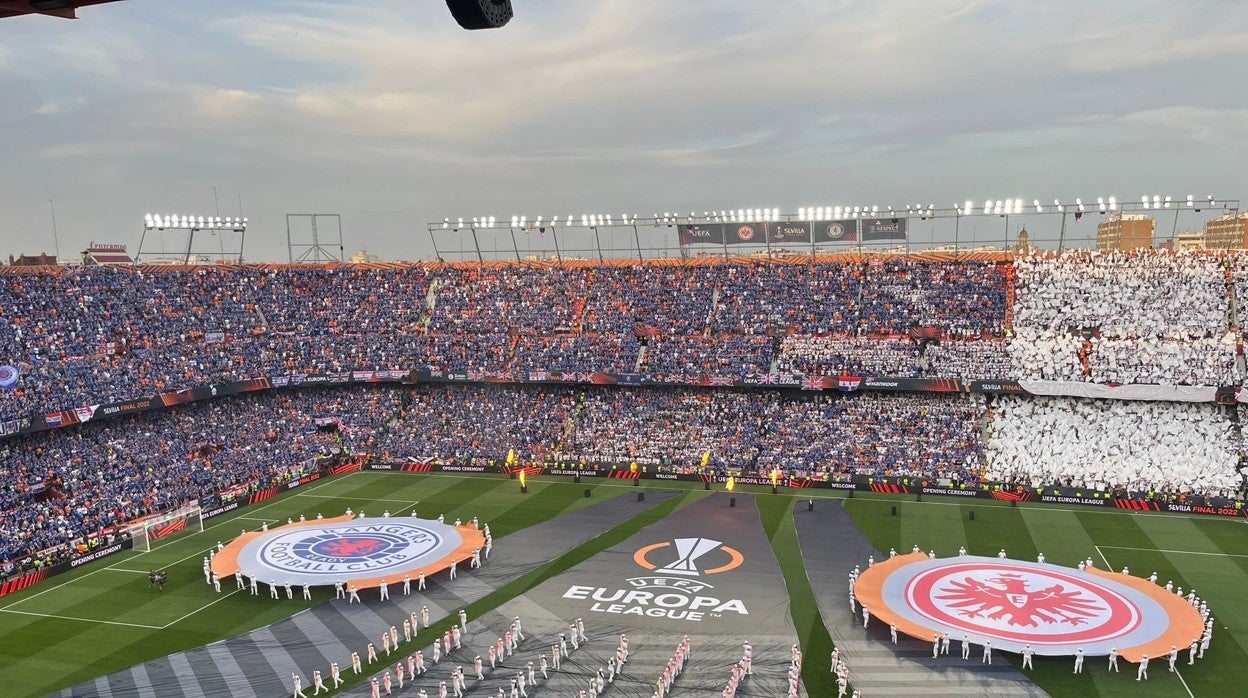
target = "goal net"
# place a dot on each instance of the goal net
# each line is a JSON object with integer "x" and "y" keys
{"x": 151, "y": 528}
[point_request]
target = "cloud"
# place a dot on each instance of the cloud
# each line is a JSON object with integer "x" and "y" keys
{"x": 1205, "y": 125}
{"x": 385, "y": 111}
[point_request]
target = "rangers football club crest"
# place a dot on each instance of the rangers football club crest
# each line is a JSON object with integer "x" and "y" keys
{"x": 1014, "y": 603}
{"x": 8, "y": 377}
{"x": 364, "y": 551}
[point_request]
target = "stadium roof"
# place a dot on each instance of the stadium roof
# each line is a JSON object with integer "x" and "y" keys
{"x": 67, "y": 9}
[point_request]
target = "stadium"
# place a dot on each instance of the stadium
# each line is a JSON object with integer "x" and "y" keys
{"x": 806, "y": 386}
{"x": 988, "y": 448}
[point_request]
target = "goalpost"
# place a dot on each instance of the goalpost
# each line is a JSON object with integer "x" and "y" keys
{"x": 146, "y": 530}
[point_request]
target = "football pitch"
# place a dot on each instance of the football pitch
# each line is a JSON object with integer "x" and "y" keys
{"x": 104, "y": 618}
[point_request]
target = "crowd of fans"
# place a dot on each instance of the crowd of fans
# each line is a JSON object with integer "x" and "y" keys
{"x": 478, "y": 422}
{"x": 835, "y": 355}
{"x": 977, "y": 359}
{"x": 97, "y": 335}
{"x": 58, "y": 486}
{"x": 63, "y": 484}
{"x": 932, "y": 436}
{"x": 89, "y": 336}
{"x": 661, "y": 427}
{"x": 1115, "y": 445}
{"x": 1123, "y": 317}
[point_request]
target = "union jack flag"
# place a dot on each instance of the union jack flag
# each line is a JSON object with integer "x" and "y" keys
{"x": 539, "y": 375}
{"x": 812, "y": 383}
{"x": 768, "y": 379}
{"x": 722, "y": 380}
{"x": 584, "y": 377}
{"x": 475, "y": 375}
{"x": 673, "y": 378}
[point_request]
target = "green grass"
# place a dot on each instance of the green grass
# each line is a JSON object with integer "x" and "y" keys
{"x": 40, "y": 653}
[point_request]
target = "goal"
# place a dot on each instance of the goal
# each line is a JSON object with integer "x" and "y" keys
{"x": 146, "y": 530}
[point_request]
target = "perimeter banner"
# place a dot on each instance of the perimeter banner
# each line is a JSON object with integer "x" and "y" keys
{"x": 702, "y": 234}
{"x": 723, "y": 233}
{"x": 835, "y": 231}
{"x": 781, "y": 233}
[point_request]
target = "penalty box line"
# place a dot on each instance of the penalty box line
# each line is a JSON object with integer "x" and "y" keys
{"x": 84, "y": 620}
{"x": 1175, "y": 552}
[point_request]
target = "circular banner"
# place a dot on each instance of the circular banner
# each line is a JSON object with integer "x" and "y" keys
{"x": 1013, "y": 603}
{"x": 8, "y": 377}
{"x": 361, "y": 551}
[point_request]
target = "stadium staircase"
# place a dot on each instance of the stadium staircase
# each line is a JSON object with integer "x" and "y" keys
{"x": 1232, "y": 321}
{"x": 641, "y": 357}
{"x": 567, "y": 430}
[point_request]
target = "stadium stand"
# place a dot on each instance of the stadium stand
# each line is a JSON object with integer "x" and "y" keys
{"x": 87, "y": 336}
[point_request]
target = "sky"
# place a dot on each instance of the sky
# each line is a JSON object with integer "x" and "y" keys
{"x": 388, "y": 114}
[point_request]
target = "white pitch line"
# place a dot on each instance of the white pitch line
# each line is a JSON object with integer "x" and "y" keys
{"x": 409, "y": 506}
{"x": 1185, "y": 686}
{"x": 223, "y": 598}
{"x": 1108, "y": 568}
{"x": 84, "y": 620}
{"x": 335, "y": 496}
{"x": 1175, "y": 552}
{"x": 123, "y": 569}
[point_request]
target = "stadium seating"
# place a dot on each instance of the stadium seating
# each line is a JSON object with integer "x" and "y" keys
{"x": 88, "y": 336}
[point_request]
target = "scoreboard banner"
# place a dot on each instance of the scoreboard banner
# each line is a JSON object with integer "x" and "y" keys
{"x": 1013, "y": 603}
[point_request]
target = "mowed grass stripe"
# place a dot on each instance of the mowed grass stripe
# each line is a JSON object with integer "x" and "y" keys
{"x": 931, "y": 528}
{"x": 1060, "y": 536}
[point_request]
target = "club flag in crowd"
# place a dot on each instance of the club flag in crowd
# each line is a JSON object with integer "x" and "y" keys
{"x": 8, "y": 377}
